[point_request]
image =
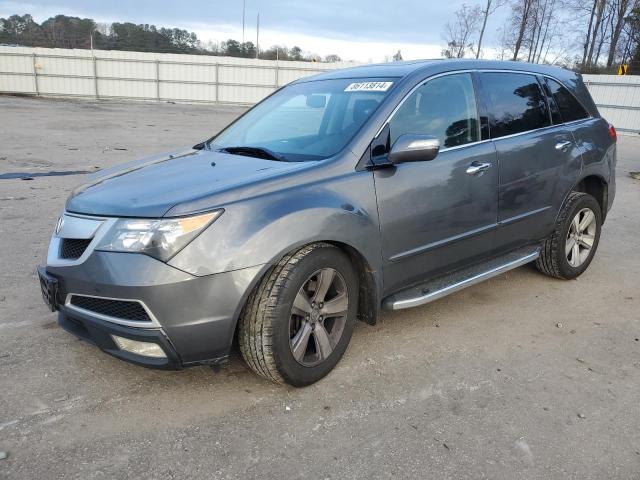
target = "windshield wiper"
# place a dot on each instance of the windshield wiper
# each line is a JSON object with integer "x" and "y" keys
{"x": 257, "y": 152}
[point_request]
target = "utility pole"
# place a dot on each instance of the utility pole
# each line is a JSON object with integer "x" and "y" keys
{"x": 244, "y": 7}
{"x": 258, "y": 35}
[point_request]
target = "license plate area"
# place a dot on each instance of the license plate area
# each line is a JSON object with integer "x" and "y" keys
{"x": 49, "y": 289}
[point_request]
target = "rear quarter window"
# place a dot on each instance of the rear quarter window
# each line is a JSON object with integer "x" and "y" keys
{"x": 515, "y": 103}
{"x": 568, "y": 105}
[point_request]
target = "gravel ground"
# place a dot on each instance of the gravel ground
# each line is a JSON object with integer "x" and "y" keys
{"x": 519, "y": 377}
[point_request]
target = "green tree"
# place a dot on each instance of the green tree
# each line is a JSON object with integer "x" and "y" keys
{"x": 63, "y": 31}
{"x": 21, "y": 30}
{"x": 68, "y": 32}
{"x": 296, "y": 54}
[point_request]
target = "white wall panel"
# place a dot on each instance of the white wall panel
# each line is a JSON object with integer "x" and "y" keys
{"x": 241, "y": 94}
{"x": 188, "y": 92}
{"x": 70, "y": 66}
{"x": 125, "y": 69}
{"x": 16, "y": 83}
{"x": 247, "y": 75}
{"x": 16, "y": 64}
{"x": 189, "y": 72}
{"x": 65, "y": 86}
{"x": 126, "y": 88}
{"x": 286, "y": 75}
{"x": 618, "y": 100}
{"x": 135, "y": 75}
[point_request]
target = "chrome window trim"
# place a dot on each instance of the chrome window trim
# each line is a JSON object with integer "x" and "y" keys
{"x": 129, "y": 323}
{"x": 483, "y": 70}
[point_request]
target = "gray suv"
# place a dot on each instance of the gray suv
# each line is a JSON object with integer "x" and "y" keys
{"x": 377, "y": 187}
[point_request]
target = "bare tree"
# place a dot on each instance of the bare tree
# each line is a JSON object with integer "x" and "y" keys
{"x": 543, "y": 36}
{"x": 587, "y": 40}
{"x": 603, "y": 34}
{"x": 459, "y": 33}
{"x": 544, "y": 10}
{"x": 600, "y": 8}
{"x": 521, "y": 15}
{"x": 489, "y": 9}
{"x": 620, "y": 11}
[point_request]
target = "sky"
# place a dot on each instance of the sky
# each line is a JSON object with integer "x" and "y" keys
{"x": 360, "y": 30}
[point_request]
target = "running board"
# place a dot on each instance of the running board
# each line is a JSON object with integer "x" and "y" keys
{"x": 443, "y": 286}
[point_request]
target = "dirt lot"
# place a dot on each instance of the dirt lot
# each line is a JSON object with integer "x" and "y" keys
{"x": 518, "y": 377}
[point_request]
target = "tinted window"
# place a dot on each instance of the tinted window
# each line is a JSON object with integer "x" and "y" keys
{"x": 570, "y": 108}
{"x": 515, "y": 102}
{"x": 444, "y": 107}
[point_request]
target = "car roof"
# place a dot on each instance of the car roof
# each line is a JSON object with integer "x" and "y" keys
{"x": 433, "y": 66}
{"x": 416, "y": 70}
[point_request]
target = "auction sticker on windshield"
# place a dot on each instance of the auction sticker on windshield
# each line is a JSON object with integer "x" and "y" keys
{"x": 369, "y": 87}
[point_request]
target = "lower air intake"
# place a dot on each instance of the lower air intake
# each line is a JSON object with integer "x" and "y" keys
{"x": 121, "y": 309}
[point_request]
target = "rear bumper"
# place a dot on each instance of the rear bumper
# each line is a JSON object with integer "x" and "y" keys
{"x": 194, "y": 318}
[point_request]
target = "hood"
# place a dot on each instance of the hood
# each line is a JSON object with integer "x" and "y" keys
{"x": 150, "y": 187}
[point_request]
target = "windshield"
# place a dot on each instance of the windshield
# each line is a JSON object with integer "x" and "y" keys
{"x": 305, "y": 121}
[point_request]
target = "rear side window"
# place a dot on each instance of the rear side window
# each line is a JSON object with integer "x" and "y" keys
{"x": 570, "y": 108}
{"x": 444, "y": 107}
{"x": 516, "y": 103}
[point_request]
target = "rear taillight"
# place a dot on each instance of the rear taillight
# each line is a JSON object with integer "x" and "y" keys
{"x": 612, "y": 133}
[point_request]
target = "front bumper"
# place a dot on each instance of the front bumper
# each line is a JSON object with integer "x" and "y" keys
{"x": 194, "y": 318}
{"x": 99, "y": 332}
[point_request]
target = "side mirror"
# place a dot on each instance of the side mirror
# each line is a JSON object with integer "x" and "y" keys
{"x": 412, "y": 147}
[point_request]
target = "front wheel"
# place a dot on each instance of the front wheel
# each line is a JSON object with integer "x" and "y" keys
{"x": 298, "y": 321}
{"x": 568, "y": 251}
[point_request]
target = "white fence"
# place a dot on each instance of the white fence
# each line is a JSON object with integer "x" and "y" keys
{"x": 146, "y": 76}
{"x": 199, "y": 78}
{"x": 618, "y": 99}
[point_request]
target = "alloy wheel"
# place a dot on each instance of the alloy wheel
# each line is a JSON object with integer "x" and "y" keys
{"x": 580, "y": 237}
{"x": 318, "y": 317}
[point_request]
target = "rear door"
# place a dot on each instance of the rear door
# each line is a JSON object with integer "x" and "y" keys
{"x": 440, "y": 214}
{"x": 591, "y": 134}
{"x": 538, "y": 161}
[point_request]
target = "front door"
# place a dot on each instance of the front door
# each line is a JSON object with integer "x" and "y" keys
{"x": 438, "y": 215}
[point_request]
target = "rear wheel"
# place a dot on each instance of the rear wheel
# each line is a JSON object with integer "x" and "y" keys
{"x": 568, "y": 251}
{"x": 298, "y": 321}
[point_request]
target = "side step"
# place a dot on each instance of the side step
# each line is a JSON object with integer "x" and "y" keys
{"x": 443, "y": 286}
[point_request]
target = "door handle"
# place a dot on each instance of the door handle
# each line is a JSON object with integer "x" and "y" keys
{"x": 476, "y": 168}
{"x": 563, "y": 146}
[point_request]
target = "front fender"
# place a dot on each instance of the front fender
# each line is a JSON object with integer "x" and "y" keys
{"x": 260, "y": 230}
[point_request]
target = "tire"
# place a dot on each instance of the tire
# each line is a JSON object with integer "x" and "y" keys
{"x": 556, "y": 256}
{"x": 274, "y": 321}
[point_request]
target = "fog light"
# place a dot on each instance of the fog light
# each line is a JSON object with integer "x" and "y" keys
{"x": 146, "y": 349}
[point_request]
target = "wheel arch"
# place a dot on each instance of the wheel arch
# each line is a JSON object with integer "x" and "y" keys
{"x": 368, "y": 281}
{"x": 597, "y": 187}
{"x": 368, "y": 304}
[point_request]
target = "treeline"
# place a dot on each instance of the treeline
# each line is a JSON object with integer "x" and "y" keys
{"x": 588, "y": 35}
{"x": 62, "y": 31}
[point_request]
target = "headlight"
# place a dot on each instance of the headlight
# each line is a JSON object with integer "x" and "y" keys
{"x": 159, "y": 238}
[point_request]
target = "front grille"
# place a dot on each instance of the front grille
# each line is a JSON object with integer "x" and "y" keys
{"x": 123, "y": 309}
{"x": 73, "y": 248}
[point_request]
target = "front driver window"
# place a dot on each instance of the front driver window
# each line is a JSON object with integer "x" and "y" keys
{"x": 444, "y": 107}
